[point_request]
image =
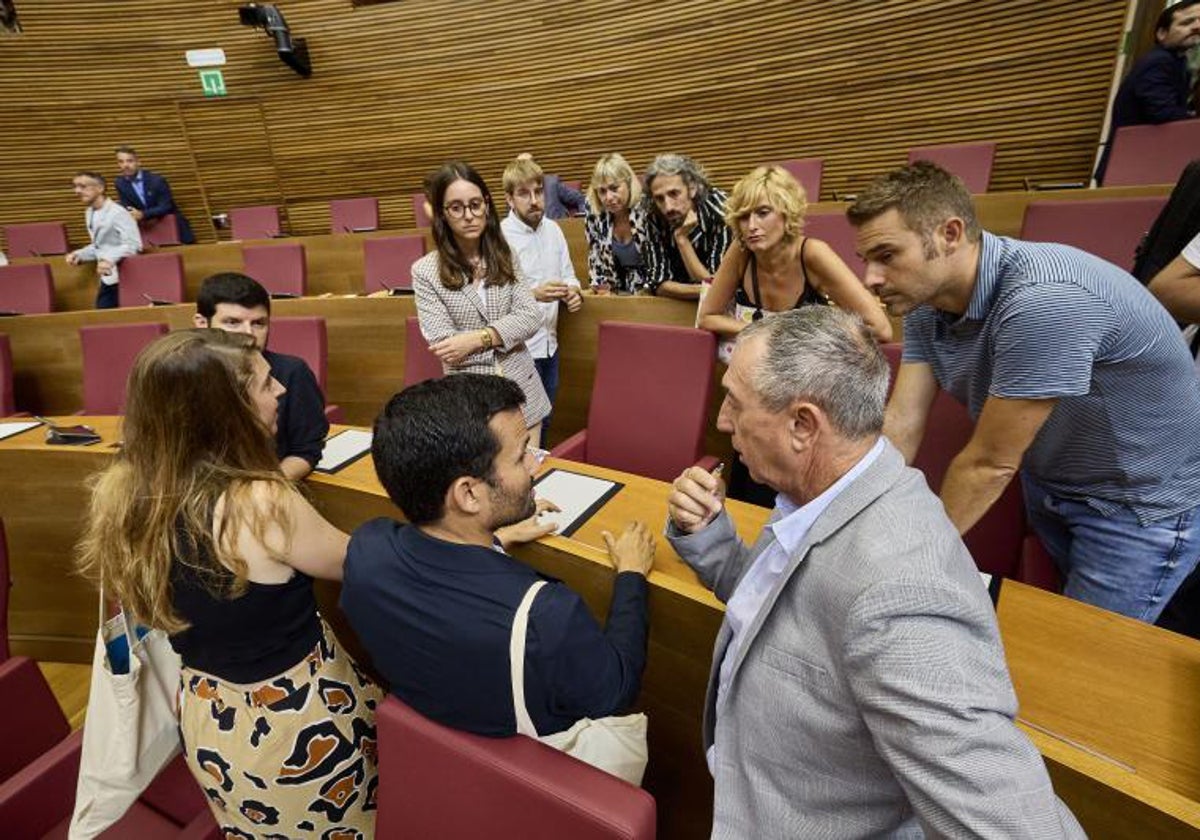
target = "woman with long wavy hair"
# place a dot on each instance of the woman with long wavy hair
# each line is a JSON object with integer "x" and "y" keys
{"x": 195, "y": 530}
{"x": 474, "y": 306}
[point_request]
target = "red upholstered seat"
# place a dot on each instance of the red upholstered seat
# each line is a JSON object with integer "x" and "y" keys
{"x": 27, "y": 289}
{"x": 347, "y": 215}
{"x": 972, "y": 162}
{"x": 836, "y": 231}
{"x": 1110, "y": 228}
{"x": 261, "y": 222}
{"x": 997, "y": 540}
{"x": 306, "y": 338}
{"x": 108, "y": 355}
{"x": 650, "y": 400}
{"x": 163, "y": 230}
{"x": 146, "y": 278}
{"x": 808, "y": 172}
{"x": 1152, "y": 154}
{"x": 31, "y": 721}
{"x": 419, "y": 363}
{"x": 5, "y": 586}
{"x": 36, "y": 239}
{"x": 281, "y": 269}
{"x": 420, "y": 217}
{"x": 388, "y": 261}
{"x": 436, "y": 782}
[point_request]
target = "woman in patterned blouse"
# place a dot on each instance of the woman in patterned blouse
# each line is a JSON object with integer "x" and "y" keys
{"x": 615, "y": 227}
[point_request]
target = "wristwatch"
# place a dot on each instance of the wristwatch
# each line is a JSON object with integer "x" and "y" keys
{"x": 485, "y": 337}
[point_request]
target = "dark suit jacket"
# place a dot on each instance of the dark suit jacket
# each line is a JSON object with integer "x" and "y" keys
{"x": 1156, "y": 90}
{"x": 159, "y": 201}
{"x": 436, "y": 618}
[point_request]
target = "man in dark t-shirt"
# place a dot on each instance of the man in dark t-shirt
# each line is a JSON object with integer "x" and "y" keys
{"x": 237, "y": 303}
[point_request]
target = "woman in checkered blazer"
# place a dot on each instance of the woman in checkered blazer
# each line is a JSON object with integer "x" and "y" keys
{"x": 474, "y": 306}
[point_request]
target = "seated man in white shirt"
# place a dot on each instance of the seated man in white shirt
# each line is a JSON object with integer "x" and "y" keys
{"x": 113, "y": 232}
{"x": 544, "y": 259}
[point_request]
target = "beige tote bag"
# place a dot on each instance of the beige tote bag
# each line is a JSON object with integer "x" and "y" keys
{"x": 616, "y": 744}
{"x": 132, "y": 727}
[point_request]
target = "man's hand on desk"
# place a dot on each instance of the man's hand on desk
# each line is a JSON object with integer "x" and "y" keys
{"x": 696, "y": 499}
{"x": 528, "y": 530}
{"x": 633, "y": 551}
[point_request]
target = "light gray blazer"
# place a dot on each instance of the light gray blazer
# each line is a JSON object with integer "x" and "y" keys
{"x": 870, "y": 697}
{"x": 510, "y": 310}
{"x": 114, "y": 235}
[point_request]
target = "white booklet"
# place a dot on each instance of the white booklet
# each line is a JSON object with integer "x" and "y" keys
{"x": 15, "y": 427}
{"x": 579, "y": 496}
{"x": 343, "y": 449}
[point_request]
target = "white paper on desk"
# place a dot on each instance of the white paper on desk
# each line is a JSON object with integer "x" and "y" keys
{"x": 346, "y": 446}
{"x": 7, "y": 430}
{"x": 578, "y": 496}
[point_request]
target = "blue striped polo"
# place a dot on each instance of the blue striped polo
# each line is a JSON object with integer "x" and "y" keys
{"x": 1053, "y": 322}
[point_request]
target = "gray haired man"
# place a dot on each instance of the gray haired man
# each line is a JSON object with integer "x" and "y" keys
{"x": 858, "y": 687}
{"x": 686, "y": 234}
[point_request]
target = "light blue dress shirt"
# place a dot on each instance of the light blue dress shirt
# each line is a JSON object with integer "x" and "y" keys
{"x": 789, "y": 531}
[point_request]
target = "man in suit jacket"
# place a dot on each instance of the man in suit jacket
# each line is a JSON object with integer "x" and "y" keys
{"x": 1158, "y": 88}
{"x": 858, "y": 687}
{"x": 146, "y": 194}
{"x": 112, "y": 232}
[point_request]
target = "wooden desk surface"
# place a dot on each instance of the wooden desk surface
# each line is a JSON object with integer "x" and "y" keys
{"x": 1113, "y": 704}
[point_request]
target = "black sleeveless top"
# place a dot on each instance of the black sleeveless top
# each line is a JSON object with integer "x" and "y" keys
{"x": 248, "y": 639}
{"x": 809, "y": 297}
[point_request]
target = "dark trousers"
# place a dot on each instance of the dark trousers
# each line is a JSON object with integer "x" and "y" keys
{"x": 107, "y": 297}
{"x": 547, "y": 369}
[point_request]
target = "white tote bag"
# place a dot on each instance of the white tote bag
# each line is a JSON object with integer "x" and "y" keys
{"x": 132, "y": 727}
{"x": 616, "y": 745}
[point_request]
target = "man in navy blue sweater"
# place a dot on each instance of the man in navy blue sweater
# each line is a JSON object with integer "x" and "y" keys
{"x": 433, "y": 602}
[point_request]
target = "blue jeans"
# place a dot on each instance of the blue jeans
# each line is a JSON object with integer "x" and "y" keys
{"x": 548, "y": 371}
{"x": 1114, "y": 562}
{"x": 107, "y": 297}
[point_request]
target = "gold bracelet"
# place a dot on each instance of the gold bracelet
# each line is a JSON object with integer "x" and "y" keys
{"x": 485, "y": 337}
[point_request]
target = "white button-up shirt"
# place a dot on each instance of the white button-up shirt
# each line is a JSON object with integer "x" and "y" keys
{"x": 544, "y": 256}
{"x": 789, "y": 531}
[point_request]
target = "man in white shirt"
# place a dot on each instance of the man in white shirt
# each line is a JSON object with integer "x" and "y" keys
{"x": 113, "y": 232}
{"x": 541, "y": 251}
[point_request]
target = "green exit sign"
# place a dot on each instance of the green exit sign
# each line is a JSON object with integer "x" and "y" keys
{"x": 212, "y": 82}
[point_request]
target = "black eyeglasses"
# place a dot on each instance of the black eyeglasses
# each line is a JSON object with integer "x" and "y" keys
{"x": 458, "y": 210}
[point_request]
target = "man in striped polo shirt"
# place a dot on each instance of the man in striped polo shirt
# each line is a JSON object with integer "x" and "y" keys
{"x": 1074, "y": 375}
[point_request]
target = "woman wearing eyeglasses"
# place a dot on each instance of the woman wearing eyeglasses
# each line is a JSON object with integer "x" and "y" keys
{"x": 474, "y": 308}
{"x": 772, "y": 267}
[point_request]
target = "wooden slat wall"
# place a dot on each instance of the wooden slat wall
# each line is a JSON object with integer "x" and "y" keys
{"x": 399, "y": 87}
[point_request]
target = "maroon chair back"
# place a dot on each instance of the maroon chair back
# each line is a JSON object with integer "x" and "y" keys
{"x": 972, "y": 162}
{"x": 420, "y": 217}
{"x": 31, "y": 722}
{"x": 281, "y": 269}
{"x": 388, "y": 261}
{"x": 7, "y": 398}
{"x": 146, "y": 278}
{"x": 108, "y": 355}
{"x": 163, "y": 230}
{"x": 28, "y": 289}
{"x": 836, "y": 231}
{"x": 439, "y": 782}
{"x": 5, "y": 586}
{"x": 261, "y": 222}
{"x": 303, "y": 337}
{"x": 419, "y": 363}
{"x": 649, "y": 379}
{"x": 1110, "y": 228}
{"x": 996, "y": 541}
{"x": 1152, "y": 154}
{"x": 808, "y": 172}
{"x": 347, "y": 215}
{"x": 36, "y": 239}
